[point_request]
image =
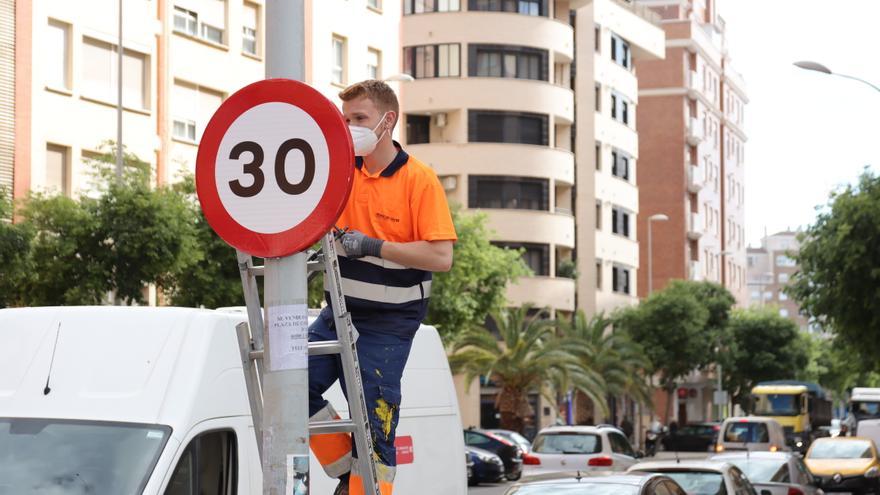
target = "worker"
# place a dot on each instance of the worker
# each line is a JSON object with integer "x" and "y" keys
{"x": 399, "y": 231}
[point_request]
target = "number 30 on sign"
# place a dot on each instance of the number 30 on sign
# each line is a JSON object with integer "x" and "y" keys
{"x": 274, "y": 168}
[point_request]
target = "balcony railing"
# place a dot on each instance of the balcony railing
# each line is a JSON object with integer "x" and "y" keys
{"x": 696, "y": 177}
{"x": 695, "y": 225}
{"x": 694, "y": 131}
{"x": 695, "y": 270}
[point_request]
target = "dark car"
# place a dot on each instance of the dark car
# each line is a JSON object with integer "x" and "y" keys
{"x": 598, "y": 484}
{"x": 486, "y": 466}
{"x": 692, "y": 437}
{"x": 522, "y": 442}
{"x": 508, "y": 451}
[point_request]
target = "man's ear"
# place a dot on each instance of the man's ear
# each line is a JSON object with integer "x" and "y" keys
{"x": 391, "y": 119}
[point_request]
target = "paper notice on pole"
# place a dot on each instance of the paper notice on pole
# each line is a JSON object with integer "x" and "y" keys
{"x": 289, "y": 337}
{"x": 297, "y": 475}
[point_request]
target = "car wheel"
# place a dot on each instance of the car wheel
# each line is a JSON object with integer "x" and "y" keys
{"x": 473, "y": 482}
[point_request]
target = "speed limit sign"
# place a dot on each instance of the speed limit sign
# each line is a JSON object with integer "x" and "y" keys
{"x": 274, "y": 168}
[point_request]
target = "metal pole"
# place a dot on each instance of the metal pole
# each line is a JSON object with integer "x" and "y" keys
{"x": 119, "y": 99}
{"x": 720, "y": 389}
{"x": 285, "y": 392}
{"x": 650, "y": 261}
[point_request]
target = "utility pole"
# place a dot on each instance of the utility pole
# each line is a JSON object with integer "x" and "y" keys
{"x": 119, "y": 51}
{"x": 285, "y": 392}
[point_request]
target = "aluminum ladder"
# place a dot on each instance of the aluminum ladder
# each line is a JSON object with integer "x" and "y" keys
{"x": 250, "y": 340}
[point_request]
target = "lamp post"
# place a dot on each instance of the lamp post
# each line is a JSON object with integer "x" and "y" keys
{"x": 399, "y": 78}
{"x": 817, "y": 67}
{"x": 658, "y": 217}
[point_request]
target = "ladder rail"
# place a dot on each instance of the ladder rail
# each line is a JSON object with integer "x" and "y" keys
{"x": 252, "y": 381}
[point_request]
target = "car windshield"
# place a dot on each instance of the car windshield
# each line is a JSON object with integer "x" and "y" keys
{"x": 777, "y": 405}
{"x": 762, "y": 470}
{"x": 67, "y": 457}
{"x": 567, "y": 443}
{"x": 840, "y": 449}
{"x": 742, "y": 432}
{"x": 698, "y": 482}
{"x": 582, "y": 488}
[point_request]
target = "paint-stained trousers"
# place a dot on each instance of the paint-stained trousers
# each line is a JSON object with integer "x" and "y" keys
{"x": 382, "y": 358}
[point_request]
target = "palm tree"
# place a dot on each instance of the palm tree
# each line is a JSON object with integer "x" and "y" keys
{"x": 615, "y": 357}
{"x": 529, "y": 356}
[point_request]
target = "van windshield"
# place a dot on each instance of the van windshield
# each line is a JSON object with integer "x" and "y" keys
{"x": 72, "y": 457}
{"x": 866, "y": 409}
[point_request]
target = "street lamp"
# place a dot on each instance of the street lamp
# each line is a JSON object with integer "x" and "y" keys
{"x": 400, "y": 78}
{"x": 817, "y": 67}
{"x": 658, "y": 217}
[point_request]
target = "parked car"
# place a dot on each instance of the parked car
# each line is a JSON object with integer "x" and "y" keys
{"x": 777, "y": 473}
{"x": 692, "y": 437}
{"x": 487, "y": 467}
{"x": 508, "y": 451}
{"x": 753, "y": 433}
{"x": 587, "y": 448}
{"x": 592, "y": 484}
{"x": 522, "y": 442}
{"x": 845, "y": 464}
{"x": 701, "y": 477}
{"x": 469, "y": 464}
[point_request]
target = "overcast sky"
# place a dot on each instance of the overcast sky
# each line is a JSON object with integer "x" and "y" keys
{"x": 809, "y": 133}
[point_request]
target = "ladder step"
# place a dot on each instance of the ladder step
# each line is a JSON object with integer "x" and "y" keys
{"x": 257, "y": 271}
{"x": 324, "y": 347}
{"x": 334, "y": 426}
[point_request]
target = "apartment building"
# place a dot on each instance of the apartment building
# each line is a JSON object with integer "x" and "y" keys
{"x": 692, "y": 133}
{"x": 770, "y": 268}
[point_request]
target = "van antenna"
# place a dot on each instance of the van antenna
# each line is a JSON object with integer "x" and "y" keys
{"x": 52, "y": 361}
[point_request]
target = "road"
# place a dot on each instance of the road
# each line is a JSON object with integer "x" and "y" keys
{"x": 500, "y": 488}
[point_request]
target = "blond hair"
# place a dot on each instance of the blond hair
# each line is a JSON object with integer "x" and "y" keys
{"x": 376, "y": 91}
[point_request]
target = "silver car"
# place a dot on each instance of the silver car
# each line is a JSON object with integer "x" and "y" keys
{"x": 701, "y": 477}
{"x": 774, "y": 473}
{"x": 597, "y": 484}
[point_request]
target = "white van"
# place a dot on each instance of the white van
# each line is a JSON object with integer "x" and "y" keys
{"x": 752, "y": 433}
{"x": 114, "y": 400}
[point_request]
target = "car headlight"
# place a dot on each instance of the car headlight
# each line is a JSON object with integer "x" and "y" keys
{"x": 872, "y": 473}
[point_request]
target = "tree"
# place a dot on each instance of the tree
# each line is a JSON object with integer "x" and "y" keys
{"x": 768, "y": 347}
{"x": 527, "y": 356}
{"x": 15, "y": 255}
{"x": 670, "y": 325}
{"x": 838, "y": 281}
{"x": 476, "y": 285}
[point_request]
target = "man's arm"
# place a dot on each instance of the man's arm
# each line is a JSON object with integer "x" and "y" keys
{"x": 432, "y": 256}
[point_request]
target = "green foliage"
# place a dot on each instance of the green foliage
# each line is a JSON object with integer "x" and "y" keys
{"x": 476, "y": 285}
{"x": 527, "y": 356}
{"x": 831, "y": 364}
{"x": 15, "y": 255}
{"x": 567, "y": 269}
{"x": 838, "y": 281}
{"x": 766, "y": 347}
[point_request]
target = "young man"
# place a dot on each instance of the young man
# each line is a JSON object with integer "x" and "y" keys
{"x": 400, "y": 231}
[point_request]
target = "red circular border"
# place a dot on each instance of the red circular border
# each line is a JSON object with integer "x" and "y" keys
{"x": 339, "y": 180}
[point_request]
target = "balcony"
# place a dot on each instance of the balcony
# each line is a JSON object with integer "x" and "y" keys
{"x": 553, "y": 292}
{"x": 696, "y": 177}
{"x": 695, "y": 270}
{"x": 520, "y": 160}
{"x": 694, "y": 131}
{"x": 696, "y": 226}
{"x": 541, "y": 227}
{"x": 694, "y": 84}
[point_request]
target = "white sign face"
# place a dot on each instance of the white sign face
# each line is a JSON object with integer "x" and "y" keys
{"x": 272, "y": 167}
{"x": 289, "y": 337}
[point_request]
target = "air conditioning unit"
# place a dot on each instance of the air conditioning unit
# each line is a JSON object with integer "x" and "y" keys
{"x": 440, "y": 119}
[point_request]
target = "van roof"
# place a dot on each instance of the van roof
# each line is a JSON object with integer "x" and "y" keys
{"x": 779, "y": 389}
{"x": 171, "y": 366}
{"x": 865, "y": 394}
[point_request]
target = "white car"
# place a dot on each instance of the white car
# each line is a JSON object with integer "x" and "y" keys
{"x": 579, "y": 448}
{"x": 702, "y": 477}
{"x": 777, "y": 473}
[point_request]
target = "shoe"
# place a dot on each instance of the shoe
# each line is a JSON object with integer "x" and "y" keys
{"x": 342, "y": 487}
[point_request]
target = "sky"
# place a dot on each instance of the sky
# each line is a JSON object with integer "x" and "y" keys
{"x": 809, "y": 133}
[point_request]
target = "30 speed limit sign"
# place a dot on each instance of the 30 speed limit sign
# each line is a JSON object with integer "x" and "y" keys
{"x": 274, "y": 168}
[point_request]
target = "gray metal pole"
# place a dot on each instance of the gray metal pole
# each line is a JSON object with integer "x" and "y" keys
{"x": 720, "y": 405}
{"x": 119, "y": 99}
{"x": 285, "y": 393}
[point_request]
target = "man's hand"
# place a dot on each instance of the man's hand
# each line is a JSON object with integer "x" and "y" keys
{"x": 358, "y": 245}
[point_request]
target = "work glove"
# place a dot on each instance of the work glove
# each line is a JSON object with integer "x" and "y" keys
{"x": 358, "y": 245}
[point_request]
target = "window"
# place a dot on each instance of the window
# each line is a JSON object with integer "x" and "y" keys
{"x": 620, "y": 51}
{"x": 212, "y": 33}
{"x": 208, "y": 24}
{"x": 599, "y": 274}
{"x": 598, "y": 38}
{"x": 186, "y": 21}
{"x": 783, "y": 278}
{"x": 99, "y": 74}
{"x": 524, "y": 7}
{"x": 516, "y": 193}
{"x": 620, "y": 279}
{"x": 536, "y": 256}
{"x": 620, "y": 164}
{"x": 598, "y": 97}
{"x": 338, "y": 75}
{"x": 620, "y": 221}
{"x": 489, "y": 126}
{"x": 418, "y": 129}
{"x": 783, "y": 296}
{"x": 620, "y": 107}
{"x": 208, "y": 465}
{"x": 599, "y": 156}
{"x": 510, "y": 61}
{"x": 193, "y": 107}
{"x": 598, "y": 215}
{"x": 57, "y": 53}
{"x": 249, "y": 29}
{"x": 374, "y": 63}
{"x": 620, "y": 445}
{"x": 58, "y": 169}
{"x": 374, "y": 4}
{"x": 423, "y": 6}
{"x": 783, "y": 260}
{"x": 783, "y": 313}
{"x": 432, "y": 60}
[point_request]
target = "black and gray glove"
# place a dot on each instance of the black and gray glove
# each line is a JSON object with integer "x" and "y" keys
{"x": 357, "y": 245}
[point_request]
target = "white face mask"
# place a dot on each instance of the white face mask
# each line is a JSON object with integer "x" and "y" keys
{"x": 364, "y": 138}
